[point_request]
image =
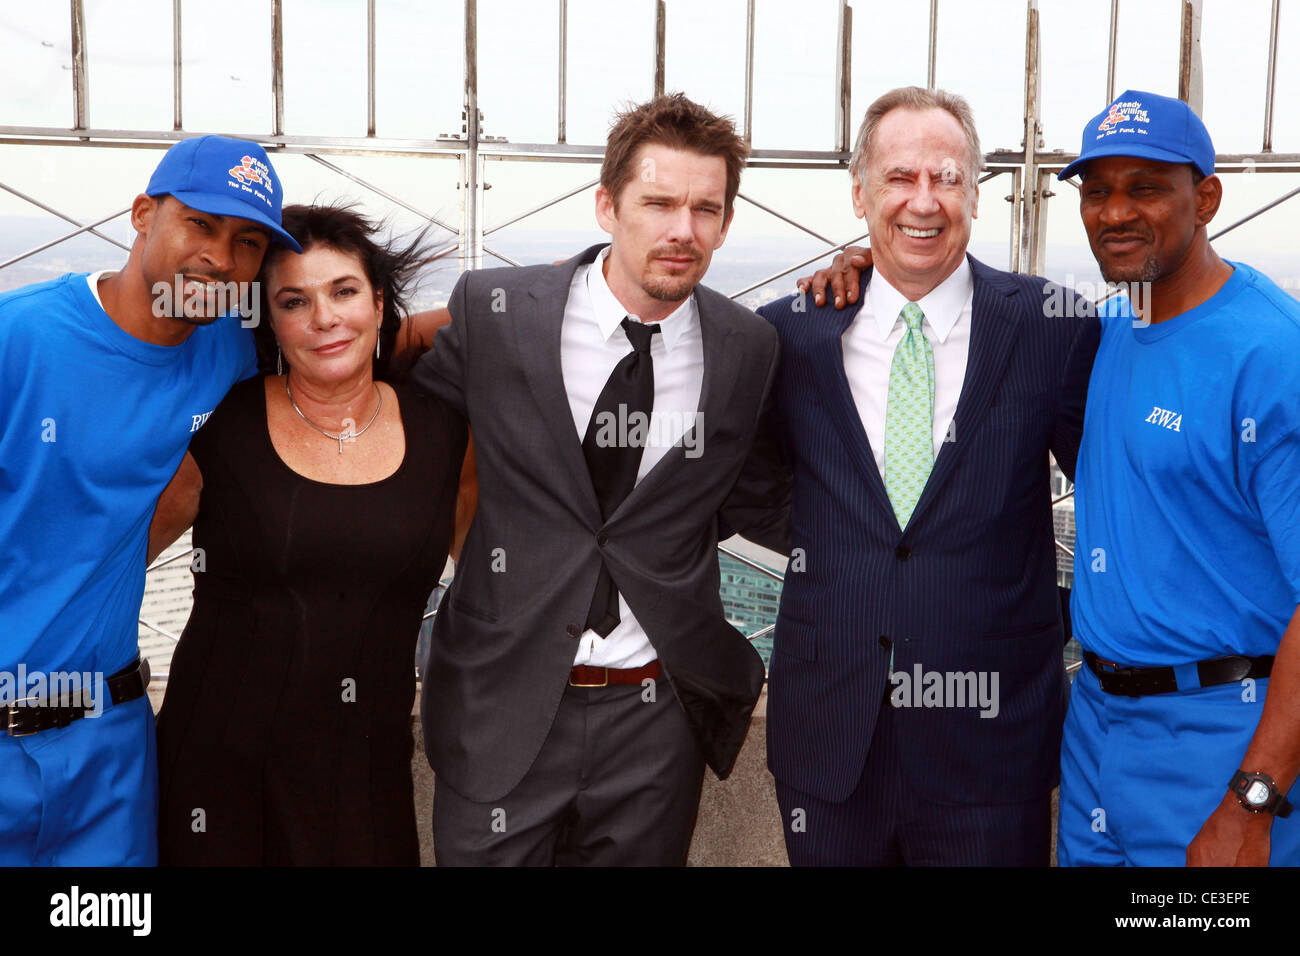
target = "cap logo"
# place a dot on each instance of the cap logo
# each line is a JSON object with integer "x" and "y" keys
{"x": 1130, "y": 112}
{"x": 251, "y": 171}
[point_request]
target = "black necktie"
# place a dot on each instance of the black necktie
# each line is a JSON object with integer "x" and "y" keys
{"x": 616, "y": 436}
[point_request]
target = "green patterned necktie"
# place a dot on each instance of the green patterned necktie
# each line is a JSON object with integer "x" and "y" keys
{"x": 909, "y": 417}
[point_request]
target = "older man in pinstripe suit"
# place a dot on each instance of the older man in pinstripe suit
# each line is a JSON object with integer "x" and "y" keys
{"x": 917, "y": 689}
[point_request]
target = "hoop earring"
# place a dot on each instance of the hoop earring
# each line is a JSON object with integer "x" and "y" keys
{"x": 279, "y": 360}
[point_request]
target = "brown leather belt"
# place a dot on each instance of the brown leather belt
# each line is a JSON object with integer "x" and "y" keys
{"x": 584, "y": 676}
{"x": 31, "y": 716}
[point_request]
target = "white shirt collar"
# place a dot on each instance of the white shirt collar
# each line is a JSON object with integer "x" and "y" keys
{"x": 609, "y": 312}
{"x": 942, "y": 305}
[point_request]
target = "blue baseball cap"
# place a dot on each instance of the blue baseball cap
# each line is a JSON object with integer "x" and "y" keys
{"x": 1148, "y": 126}
{"x": 223, "y": 177}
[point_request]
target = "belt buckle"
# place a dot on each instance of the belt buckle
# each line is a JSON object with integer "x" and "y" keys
{"x": 11, "y": 711}
{"x": 604, "y": 683}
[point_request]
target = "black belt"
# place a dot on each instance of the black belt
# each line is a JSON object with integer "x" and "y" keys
{"x": 31, "y": 716}
{"x": 1141, "y": 681}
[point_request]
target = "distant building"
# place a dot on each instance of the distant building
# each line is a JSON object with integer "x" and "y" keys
{"x": 750, "y": 600}
{"x": 168, "y": 595}
{"x": 1063, "y": 525}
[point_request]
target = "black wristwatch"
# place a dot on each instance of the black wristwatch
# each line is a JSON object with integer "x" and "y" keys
{"x": 1259, "y": 794}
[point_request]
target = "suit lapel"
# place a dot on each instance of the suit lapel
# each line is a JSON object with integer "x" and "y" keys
{"x": 993, "y": 332}
{"x": 538, "y": 341}
{"x": 829, "y": 354}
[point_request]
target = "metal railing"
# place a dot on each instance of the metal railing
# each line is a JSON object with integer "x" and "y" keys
{"x": 1030, "y": 167}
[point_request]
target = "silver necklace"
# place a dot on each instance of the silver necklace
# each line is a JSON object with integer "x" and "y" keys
{"x": 346, "y": 434}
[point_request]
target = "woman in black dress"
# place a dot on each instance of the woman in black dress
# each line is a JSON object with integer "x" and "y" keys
{"x": 322, "y": 500}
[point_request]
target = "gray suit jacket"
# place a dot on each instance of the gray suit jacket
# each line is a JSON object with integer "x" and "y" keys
{"x": 506, "y": 633}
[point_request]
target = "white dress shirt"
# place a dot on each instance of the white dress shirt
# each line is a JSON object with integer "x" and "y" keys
{"x": 591, "y": 344}
{"x": 873, "y": 335}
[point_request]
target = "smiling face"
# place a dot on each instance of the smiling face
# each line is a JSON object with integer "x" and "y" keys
{"x": 201, "y": 247}
{"x": 918, "y": 198}
{"x": 666, "y": 223}
{"x": 1141, "y": 216}
{"x": 325, "y": 313}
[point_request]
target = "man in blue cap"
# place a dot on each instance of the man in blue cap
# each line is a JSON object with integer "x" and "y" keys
{"x": 103, "y": 380}
{"x": 1183, "y": 732}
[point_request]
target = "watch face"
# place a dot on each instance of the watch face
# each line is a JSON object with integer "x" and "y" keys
{"x": 1257, "y": 793}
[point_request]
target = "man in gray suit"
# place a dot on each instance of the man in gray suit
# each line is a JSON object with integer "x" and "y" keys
{"x": 581, "y": 671}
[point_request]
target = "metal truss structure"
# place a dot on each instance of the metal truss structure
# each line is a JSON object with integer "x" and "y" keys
{"x": 1030, "y": 169}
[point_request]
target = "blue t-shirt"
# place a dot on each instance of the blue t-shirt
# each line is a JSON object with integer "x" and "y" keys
{"x": 93, "y": 424}
{"x": 1187, "y": 494}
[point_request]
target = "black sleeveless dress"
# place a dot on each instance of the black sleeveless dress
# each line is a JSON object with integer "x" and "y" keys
{"x": 285, "y": 734}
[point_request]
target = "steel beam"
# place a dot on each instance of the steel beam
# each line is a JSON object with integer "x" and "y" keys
{"x": 471, "y": 165}
{"x": 1032, "y": 211}
{"x": 784, "y": 218}
{"x": 80, "y": 77}
{"x": 1190, "y": 86}
{"x": 277, "y": 69}
{"x": 546, "y": 205}
{"x": 563, "y": 81}
{"x": 164, "y": 633}
{"x": 996, "y": 161}
{"x": 1270, "y": 82}
{"x": 750, "y": 563}
{"x": 1016, "y": 199}
{"x": 502, "y": 256}
{"x": 661, "y": 29}
{"x": 1262, "y": 209}
{"x": 381, "y": 192}
{"x": 798, "y": 265}
{"x": 934, "y": 43}
{"x": 370, "y": 67}
{"x": 166, "y": 561}
{"x": 749, "y": 72}
{"x": 176, "y": 65}
{"x": 844, "y": 80}
{"x": 63, "y": 238}
{"x": 66, "y": 218}
{"x": 1111, "y": 50}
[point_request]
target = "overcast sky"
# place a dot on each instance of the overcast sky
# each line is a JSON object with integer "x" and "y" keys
{"x": 227, "y": 81}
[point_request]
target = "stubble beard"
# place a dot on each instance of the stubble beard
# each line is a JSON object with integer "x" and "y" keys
{"x": 669, "y": 288}
{"x": 1148, "y": 271}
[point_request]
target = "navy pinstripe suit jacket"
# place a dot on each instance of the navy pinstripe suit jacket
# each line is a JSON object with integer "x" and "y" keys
{"x": 970, "y": 586}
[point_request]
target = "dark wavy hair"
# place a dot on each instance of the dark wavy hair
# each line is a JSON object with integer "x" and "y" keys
{"x": 391, "y": 268}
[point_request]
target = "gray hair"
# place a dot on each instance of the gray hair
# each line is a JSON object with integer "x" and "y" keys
{"x": 916, "y": 98}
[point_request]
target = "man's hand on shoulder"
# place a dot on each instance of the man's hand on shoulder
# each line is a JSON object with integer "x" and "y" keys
{"x": 415, "y": 337}
{"x": 844, "y": 277}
